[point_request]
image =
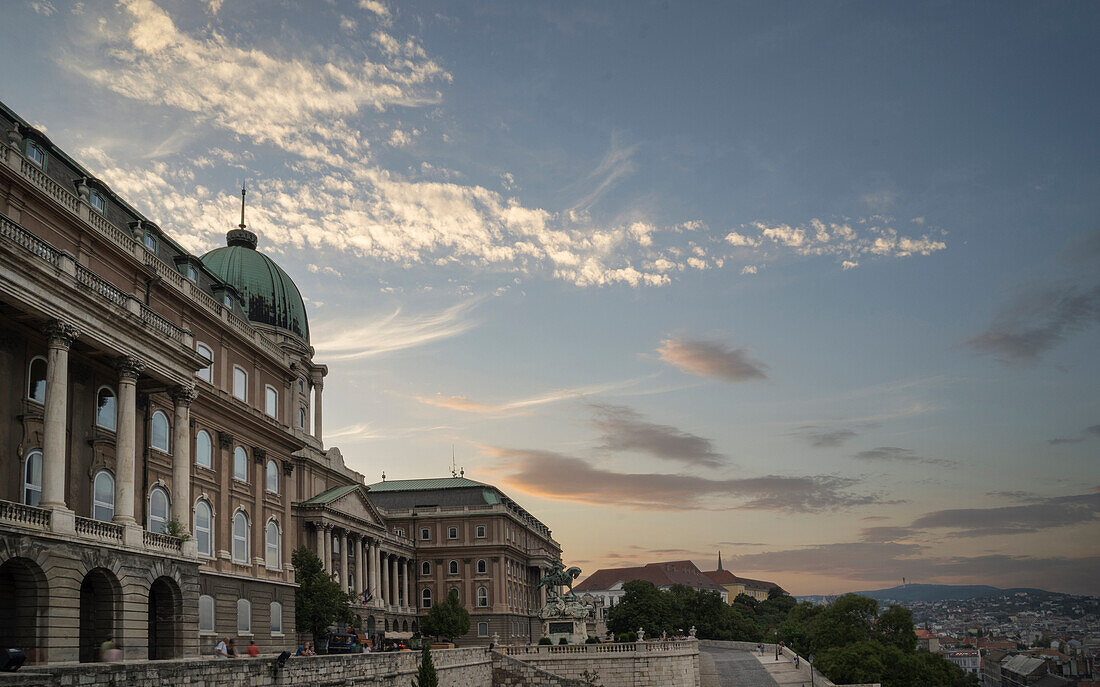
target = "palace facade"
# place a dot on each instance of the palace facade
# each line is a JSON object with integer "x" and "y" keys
{"x": 161, "y": 434}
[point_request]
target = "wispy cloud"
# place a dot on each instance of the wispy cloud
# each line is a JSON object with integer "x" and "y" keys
{"x": 561, "y": 477}
{"x": 347, "y": 339}
{"x": 1037, "y": 321}
{"x": 1042, "y": 514}
{"x": 901, "y": 455}
{"x": 616, "y": 163}
{"x": 824, "y": 437}
{"x": 1091, "y": 432}
{"x": 624, "y": 429}
{"x": 711, "y": 359}
{"x": 467, "y": 405}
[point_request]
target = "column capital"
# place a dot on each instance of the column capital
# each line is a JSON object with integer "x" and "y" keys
{"x": 259, "y": 454}
{"x": 184, "y": 395}
{"x": 129, "y": 368}
{"x": 288, "y": 467}
{"x": 60, "y": 334}
{"x": 225, "y": 440}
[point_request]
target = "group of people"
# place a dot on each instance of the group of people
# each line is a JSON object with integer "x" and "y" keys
{"x": 306, "y": 650}
{"x": 225, "y": 649}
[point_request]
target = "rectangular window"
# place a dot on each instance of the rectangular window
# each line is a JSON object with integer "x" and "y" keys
{"x": 425, "y": 534}
{"x": 452, "y": 533}
{"x": 98, "y": 202}
{"x": 480, "y": 531}
{"x": 36, "y": 155}
{"x": 271, "y": 402}
{"x": 240, "y": 383}
{"x": 192, "y": 274}
{"x": 483, "y": 629}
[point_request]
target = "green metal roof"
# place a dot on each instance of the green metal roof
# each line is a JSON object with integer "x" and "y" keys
{"x": 426, "y": 484}
{"x": 330, "y": 495}
{"x": 270, "y": 295}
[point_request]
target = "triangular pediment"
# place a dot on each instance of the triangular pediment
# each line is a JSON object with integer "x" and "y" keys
{"x": 355, "y": 504}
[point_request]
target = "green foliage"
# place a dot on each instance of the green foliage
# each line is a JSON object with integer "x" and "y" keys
{"x": 545, "y": 640}
{"x": 894, "y": 627}
{"x": 563, "y": 640}
{"x": 591, "y": 679}
{"x": 447, "y": 619}
{"x": 425, "y": 674}
{"x": 318, "y": 601}
{"x": 676, "y": 610}
{"x": 176, "y": 529}
{"x": 627, "y": 637}
{"x": 642, "y": 606}
{"x": 591, "y": 640}
{"x": 746, "y": 600}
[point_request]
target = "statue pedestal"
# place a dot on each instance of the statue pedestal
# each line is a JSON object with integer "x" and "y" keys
{"x": 572, "y": 629}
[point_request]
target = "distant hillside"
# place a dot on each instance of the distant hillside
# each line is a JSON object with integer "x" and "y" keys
{"x": 941, "y": 592}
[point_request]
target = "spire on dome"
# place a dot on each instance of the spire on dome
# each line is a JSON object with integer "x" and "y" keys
{"x": 242, "y": 225}
{"x": 241, "y": 236}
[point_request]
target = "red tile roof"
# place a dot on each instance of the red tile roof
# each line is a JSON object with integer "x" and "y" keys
{"x": 726, "y": 577}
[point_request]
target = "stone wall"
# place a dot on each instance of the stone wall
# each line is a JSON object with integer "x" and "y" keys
{"x": 456, "y": 668}
{"x": 640, "y": 664}
{"x": 508, "y": 672}
{"x": 803, "y": 665}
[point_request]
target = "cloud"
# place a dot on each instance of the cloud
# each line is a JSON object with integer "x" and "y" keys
{"x": 346, "y": 339}
{"x": 317, "y": 269}
{"x": 616, "y": 164}
{"x": 888, "y": 562}
{"x": 43, "y": 7}
{"x": 1043, "y": 514}
{"x": 1090, "y": 432}
{"x": 901, "y": 455}
{"x": 556, "y": 476}
{"x": 464, "y": 404}
{"x": 1037, "y": 321}
{"x": 711, "y": 359}
{"x": 848, "y": 241}
{"x": 824, "y": 437}
{"x": 377, "y": 8}
{"x": 625, "y": 430}
{"x": 886, "y": 534}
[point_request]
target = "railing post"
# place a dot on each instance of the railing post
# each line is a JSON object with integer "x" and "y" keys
{"x": 66, "y": 262}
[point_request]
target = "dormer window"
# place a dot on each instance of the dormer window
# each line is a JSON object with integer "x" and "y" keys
{"x": 36, "y": 155}
{"x": 192, "y": 274}
{"x": 227, "y": 300}
{"x": 98, "y": 202}
{"x": 150, "y": 241}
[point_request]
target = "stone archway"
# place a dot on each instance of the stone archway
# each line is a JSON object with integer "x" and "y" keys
{"x": 165, "y": 609}
{"x": 370, "y": 625}
{"x": 100, "y": 597}
{"x": 24, "y": 598}
{"x": 405, "y": 626}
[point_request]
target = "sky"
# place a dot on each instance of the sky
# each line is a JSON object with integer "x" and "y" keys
{"x": 813, "y": 284}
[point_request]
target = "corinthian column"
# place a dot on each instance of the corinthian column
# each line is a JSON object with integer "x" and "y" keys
{"x": 358, "y": 567}
{"x": 393, "y": 582}
{"x": 129, "y": 369}
{"x": 61, "y": 336}
{"x": 384, "y": 592}
{"x": 345, "y": 542}
{"x": 182, "y": 396}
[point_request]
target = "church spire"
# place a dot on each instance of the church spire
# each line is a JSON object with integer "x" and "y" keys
{"x": 719, "y": 559}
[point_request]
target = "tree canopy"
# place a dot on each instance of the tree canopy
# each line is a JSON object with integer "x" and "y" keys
{"x": 318, "y": 601}
{"x": 447, "y": 619}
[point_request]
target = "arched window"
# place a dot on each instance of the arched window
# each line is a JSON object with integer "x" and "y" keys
{"x": 452, "y": 533}
{"x": 336, "y": 543}
{"x": 240, "y": 383}
{"x": 204, "y": 449}
{"x": 36, "y": 379}
{"x": 480, "y": 532}
{"x": 272, "y": 544}
{"x": 240, "y": 464}
{"x": 272, "y": 477}
{"x": 103, "y": 496}
{"x": 425, "y": 568}
{"x": 452, "y": 568}
{"x": 482, "y": 597}
{"x": 271, "y": 401}
{"x": 244, "y": 616}
{"x": 301, "y": 418}
{"x": 158, "y": 433}
{"x": 32, "y": 478}
{"x": 204, "y": 528}
{"x": 206, "y": 613}
{"x": 158, "y": 510}
{"x": 106, "y": 408}
{"x": 454, "y": 593}
{"x": 240, "y": 537}
{"x": 276, "y": 618}
{"x": 426, "y": 598}
{"x": 482, "y": 568}
{"x": 207, "y": 373}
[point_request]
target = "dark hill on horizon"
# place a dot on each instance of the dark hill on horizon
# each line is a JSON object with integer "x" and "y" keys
{"x": 938, "y": 592}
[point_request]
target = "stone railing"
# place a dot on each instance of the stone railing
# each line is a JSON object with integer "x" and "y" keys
{"x": 127, "y": 243}
{"x": 9, "y": 229}
{"x": 27, "y": 516}
{"x": 97, "y": 528}
{"x": 151, "y": 318}
{"x": 100, "y": 286}
{"x": 155, "y": 540}
{"x": 687, "y": 646}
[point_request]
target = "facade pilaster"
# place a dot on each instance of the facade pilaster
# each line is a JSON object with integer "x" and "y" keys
{"x": 60, "y": 336}
{"x": 129, "y": 369}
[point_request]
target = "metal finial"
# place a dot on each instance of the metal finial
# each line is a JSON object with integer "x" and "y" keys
{"x": 383, "y": 475}
{"x": 242, "y": 225}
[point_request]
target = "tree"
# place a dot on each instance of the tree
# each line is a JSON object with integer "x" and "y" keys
{"x": 318, "y": 601}
{"x": 845, "y": 621}
{"x": 642, "y": 605}
{"x": 894, "y": 627}
{"x": 425, "y": 673}
{"x": 447, "y": 619}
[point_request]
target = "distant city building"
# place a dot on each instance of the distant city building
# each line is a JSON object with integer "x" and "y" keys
{"x": 928, "y": 641}
{"x": 606, "y": 584}
{"x": 735, "y": 584}
{"x": 970, "y": 660}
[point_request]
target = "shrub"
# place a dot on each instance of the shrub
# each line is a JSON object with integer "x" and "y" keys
{"x": 563, "y": 640}
{"x": 545, "y": 640}
{"x": 627, "y": 637}
{"x": 591, "y": 640}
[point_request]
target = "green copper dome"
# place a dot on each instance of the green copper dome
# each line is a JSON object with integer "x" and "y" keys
{"x": 270, "y": 296}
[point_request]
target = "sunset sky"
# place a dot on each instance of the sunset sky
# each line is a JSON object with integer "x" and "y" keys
{"x": 814, "y": 284}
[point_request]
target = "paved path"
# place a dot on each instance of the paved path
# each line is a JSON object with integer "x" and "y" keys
{"x": 732, "y": 668}
{"x": 783, "y": 672}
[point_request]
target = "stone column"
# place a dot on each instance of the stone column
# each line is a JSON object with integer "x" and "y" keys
{"x": 129, "y": 369}
{"x": 358, "y": 567}
{"x": 182, "y": 397}
{"x": 61, "y": 336}
{"x": 328, "y": 549}
{"x": 374, "y": 581}
{"x": 321, "y": 545}
{"x": 408, "y": 577}
{"x": 317, "y": 377}
{"x": 384, "y": 593}
{"x": 345, "y": 541}
{"x": 394, "y": 581}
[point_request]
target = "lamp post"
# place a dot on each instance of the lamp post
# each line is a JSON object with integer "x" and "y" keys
{"x": 777, "y": 643}
{"x": 811, "y": 658}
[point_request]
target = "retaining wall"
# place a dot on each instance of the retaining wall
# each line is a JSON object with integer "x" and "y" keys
{"x": 508, "y": 672}
{"x": 471, "y": 667}
{"x": 639, "y": 664}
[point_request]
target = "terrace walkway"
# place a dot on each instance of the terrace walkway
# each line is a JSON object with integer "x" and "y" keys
{"x": 734, "y": 668}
